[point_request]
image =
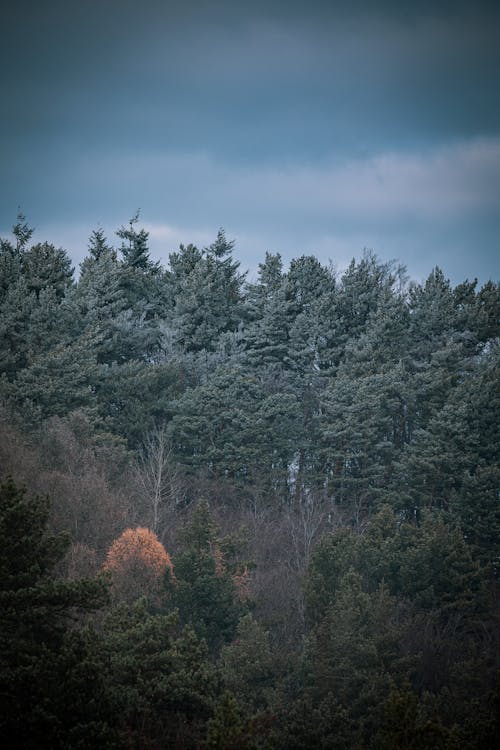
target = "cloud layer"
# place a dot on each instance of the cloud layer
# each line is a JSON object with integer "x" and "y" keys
{"x": 319, "y": 129}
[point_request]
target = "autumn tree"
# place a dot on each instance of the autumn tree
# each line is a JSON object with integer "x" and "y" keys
{"x": 137, "y": 561}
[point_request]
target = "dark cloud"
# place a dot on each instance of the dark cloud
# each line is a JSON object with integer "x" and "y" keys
{"x": 111, "y": 104}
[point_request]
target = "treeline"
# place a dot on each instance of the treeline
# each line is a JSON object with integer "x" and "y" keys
{"x": 317, "y": 453}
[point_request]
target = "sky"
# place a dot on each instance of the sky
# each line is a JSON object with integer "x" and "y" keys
{"x": 305, "y": 128}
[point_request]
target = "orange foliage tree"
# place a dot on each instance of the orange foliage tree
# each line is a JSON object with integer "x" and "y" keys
{"x": 137, "y": 561}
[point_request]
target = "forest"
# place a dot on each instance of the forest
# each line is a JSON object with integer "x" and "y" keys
{"x": 245, "y": 514}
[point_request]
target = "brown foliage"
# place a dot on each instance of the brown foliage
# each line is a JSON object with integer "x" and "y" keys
{"x": 138, "y": 547}
{"x": 60, "y": 460}
{"x": 137, "y": 561}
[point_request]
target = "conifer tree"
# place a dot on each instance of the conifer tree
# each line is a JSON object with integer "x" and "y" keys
{"x": 45, "y": 266}
{"x": 52, "y": 692}
{"x": 203, "y": 590}
{"x": 207, "y": 289}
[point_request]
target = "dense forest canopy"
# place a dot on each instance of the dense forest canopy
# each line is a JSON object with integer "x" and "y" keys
{"x": 274, "y": 516}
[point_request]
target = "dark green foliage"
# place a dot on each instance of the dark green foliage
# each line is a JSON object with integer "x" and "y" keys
{"x": 161, "y": 680}
{"x": 355, "y": 649}
{"x": 10, "y": 267}
{"x": 207, "y": 294}
{"x": 57, "y": 382}
{"x": 133, "y": 397}
{"x": 232, "y": 428}
{"x": 363, "y": 425}
{"x": 52, "y": 694}
{"x": 399, "y": 602}
{"x": 248, "y": 666}
{"x": 22, "y": 232}
{"x": 350, "y": 421}
{"x": 227, "y": 729}
{"x": 45, "y": 266}
{"x": 453, "y": 463}
{"x": 307, "y": 724}
{"x": 134, "y": 247}
{"x": 203, "y": 590}
{"x": 406, "y": 725}
{"x": 34, "y": 316}
{"x": 431, "y": 565}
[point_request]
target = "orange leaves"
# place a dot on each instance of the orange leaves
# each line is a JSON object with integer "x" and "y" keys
{"x": 137, "y": 561}
{"x": 138, "y": 546}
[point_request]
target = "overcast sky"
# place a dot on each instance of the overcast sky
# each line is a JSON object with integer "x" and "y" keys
{"x": 300, "y": 127}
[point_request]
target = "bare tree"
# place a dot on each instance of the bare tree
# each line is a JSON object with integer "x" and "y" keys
{"x": 159, "y": 479}
{"x": 306, "y": 518}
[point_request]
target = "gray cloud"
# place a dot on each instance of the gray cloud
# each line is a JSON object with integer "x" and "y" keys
{"x": 321, "y": 128}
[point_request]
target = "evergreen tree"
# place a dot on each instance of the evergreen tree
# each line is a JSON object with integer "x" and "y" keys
{"x": 266, "y": 338}
{"x": 45, "y": 266}
{"x": 134, "y": 247}
{"x": 362, "y": 288}
{"x": 353, "y": 651}
{"x": 131, "y": 398}
{"x": 248, "y": 666}
{"x": 453, "y": 463}
{"x": 161, "y": 680}
{"x": 10, "y": 266}
{"x": 363, "y": 424}
{"x": 53, "y": 695}
{"x": 22, "y": 232}
{"x": 269, "y": 280}
{"x": 207, "y": 289}
{"x": 231, "y": 428}
{"x": 56, "y": 382}
{"x": 486, "y": 316}
{"x": 203, "y": 590}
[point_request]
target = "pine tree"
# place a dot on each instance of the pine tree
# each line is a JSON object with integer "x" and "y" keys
{"x": 161, "y": 680}
{"x": 22, "y": 232}
{"x": 45, "y": 266}
{"x": 52, "y": 693}
{"x": 207, "y": 288}
{"x": 269, "y": 280}
{"x": 231, "y": 428}
{"x": 134, "y": 247}
{"x": 248, "y": 666}
{"x": 354, "y": 650}
{"x": 362, "y": 289}
{"x": 203, "y": 590}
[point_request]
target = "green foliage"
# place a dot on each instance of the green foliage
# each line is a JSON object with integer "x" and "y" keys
{"x": 52, "y": 692}
{"x": 431, "y": 565}
{"x": 161, "y": 680}
{"x": 363, "y": 425}
{"x": 133, "y": 397}
{"x": 351, "y": 406}
{"x": 232, "y": 428}
{"x": 134, "y": 247}
{"x": 203, "y": 590}
{"x": 307, "y": 724}
{"x": 248, "y": 666}
{"x": 207, "y": 288}
{"x": 47, "y": 267}
{"x": 407, "y": 726}
{"x": 227, "y": 728}
{"x": 56, "y": 382}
